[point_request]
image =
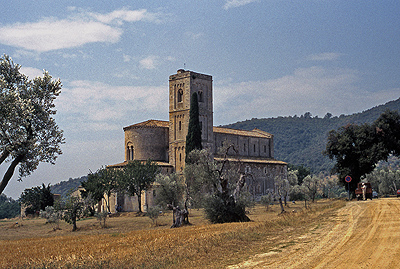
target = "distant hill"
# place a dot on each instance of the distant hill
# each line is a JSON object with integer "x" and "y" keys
{"x": 302, "y": 140}
{"x": 64, "y": 187}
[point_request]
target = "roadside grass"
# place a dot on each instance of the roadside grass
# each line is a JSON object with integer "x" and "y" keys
{"x": 132, "y": 241}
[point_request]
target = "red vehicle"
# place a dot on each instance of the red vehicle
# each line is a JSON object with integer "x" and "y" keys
{"x": 368, "y": 194}
{"x": 398, "y": 193}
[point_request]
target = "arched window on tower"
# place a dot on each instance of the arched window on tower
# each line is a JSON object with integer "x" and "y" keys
{"x": 200, "y": 96}
{"x": 180, "y": 95}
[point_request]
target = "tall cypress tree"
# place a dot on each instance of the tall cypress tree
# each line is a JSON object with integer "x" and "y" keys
{"x": 193, "y": 138}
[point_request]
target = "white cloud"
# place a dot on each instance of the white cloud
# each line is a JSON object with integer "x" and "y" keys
{"x": 121, "y": 15}
{"x": 237, "y": 3}
{"x": 31, "y": 72}
{"x": 149, "y": 62}
{"x": 316, "y": 89}
{"x": 49, "y": 34}
{"x": 101, "y": 106}
{"x": 126, "y": 58}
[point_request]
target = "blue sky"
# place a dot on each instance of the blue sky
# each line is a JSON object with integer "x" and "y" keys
{"x": 268, "y": 58}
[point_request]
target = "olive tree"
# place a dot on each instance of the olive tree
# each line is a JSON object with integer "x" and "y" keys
{"x": 28, "y": 132}
{"x": 138, "y": 176}
{"x": 217, "y": 185}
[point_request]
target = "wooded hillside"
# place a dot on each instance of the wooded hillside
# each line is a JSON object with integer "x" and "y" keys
{"x": 301, "y": 140}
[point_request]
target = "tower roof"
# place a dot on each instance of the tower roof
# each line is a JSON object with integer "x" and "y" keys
{"x": 149, "y": 123}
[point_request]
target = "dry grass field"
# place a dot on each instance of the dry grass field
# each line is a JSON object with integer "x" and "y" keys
{"x": 131, "y": 241}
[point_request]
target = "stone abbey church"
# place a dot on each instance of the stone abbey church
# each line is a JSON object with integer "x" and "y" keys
{"x": 164, "y": 141}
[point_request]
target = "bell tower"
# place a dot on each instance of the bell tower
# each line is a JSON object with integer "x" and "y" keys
{"x": 181, "y": 87}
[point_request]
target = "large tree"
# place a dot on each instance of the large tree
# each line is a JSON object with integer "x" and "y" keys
{"x": 28, "y": 132}
{"x": 101, "y": 184}
{"x": 9, "y": 208}
{"x": 193, "y": 138}
{"x": 37, "y": 198}
{"x": 217, "y": 185}
{"x": 358, "y": 148}
{"x": 138, "y": 176}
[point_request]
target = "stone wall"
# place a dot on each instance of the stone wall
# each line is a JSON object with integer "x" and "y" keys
{"x": 142, "y": 143}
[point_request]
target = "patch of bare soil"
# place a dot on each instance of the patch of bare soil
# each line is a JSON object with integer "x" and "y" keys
{"x": 364, "y": 234}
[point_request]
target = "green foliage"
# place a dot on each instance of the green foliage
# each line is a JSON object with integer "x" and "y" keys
{"x": 311, "y": 187}
{"x": 302, "y": 172}
{"x": 267, "y": 200}
{"x": 221, "y": 208}
{"x": 358, "y": 148}
{"x": 65, "y": 187}
{"x": 384, "y": 180}
{"x": 9, "y": 208}
{"x": 217, "y": 187}
{"x": 193, "y": 138}
{"x": 36, "y": 199}
{"x": 302, "y": 140}
{"x": 101, "y": 184}
{"x": 102, "y": 218}
{"x": 73, "y": 208}
{"x": 52, "y": 216}
{"x": 170, "y": 190}
{"x": 153, "y": 213}
{"x": 28, "y": 132}
{"x": 137, "y": 177}
{"x": 201, "y": 176}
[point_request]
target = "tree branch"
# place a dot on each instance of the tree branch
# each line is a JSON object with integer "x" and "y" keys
{"x": 10, "y": 172}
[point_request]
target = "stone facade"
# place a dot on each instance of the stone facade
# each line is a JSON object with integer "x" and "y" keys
{"x": 165, "y": 141}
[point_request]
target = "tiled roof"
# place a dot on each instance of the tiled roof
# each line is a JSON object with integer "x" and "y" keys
{"x": 150, "y": 123}
{"x": 248, "y": 160}
{"x": 165, "y": 124}
{"x": 253, "y": 133}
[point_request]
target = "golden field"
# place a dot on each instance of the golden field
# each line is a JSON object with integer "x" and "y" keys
{"x": 132, "y": 241}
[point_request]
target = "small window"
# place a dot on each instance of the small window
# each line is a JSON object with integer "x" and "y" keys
{"x": 265, "y": 149}
{"x": 180, "y": 95}
{"x": 180, "y": 125}
{"x": 254, "y": 147}
{"x": 200, "y": 95}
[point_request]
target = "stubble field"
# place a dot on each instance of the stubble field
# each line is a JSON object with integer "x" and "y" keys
{"x": 131, "y": 241}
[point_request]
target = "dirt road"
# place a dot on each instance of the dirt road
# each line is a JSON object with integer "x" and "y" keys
{"x": 364, "y": 234}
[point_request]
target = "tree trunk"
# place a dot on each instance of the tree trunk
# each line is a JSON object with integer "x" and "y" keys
{"x": 180, "y": 216}
{"x": 281, "y": 204}
{"x": 139, "y": 197}
{"x": 10, "y": 171}
{"x": 74, "y": 228}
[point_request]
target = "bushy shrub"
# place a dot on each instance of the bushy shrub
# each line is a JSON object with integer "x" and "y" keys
{"x": 52, "y": 216}
{"x": 220, "y": 208}
{"x": 153, "y": 213}
{"x": 102, "y": 217}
